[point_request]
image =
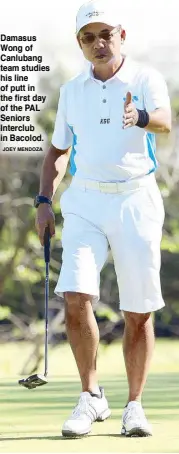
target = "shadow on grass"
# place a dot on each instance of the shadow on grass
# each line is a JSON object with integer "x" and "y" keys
{"x": 60, "y": 437}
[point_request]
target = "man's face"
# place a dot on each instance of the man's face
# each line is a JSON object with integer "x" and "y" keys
{"x": 94, "y": 43}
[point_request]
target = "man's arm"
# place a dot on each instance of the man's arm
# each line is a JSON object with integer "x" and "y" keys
{"x": 159, "y": 121}
{"x": 53, "y": 170}
{"x": 54, "y": 167}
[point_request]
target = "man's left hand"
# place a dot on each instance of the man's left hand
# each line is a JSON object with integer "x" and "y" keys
{"x": 131, "y": 115}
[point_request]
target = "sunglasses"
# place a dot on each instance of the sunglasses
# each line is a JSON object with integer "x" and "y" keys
{"x": 106, "y": 35}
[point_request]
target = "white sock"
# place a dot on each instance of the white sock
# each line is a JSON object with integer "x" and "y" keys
{"x": 96, "y": 390}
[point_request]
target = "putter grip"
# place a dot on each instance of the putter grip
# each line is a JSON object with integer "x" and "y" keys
{"x": 47, "y": 245}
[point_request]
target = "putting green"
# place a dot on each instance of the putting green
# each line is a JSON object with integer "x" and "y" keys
{"x": 31, "y": 420}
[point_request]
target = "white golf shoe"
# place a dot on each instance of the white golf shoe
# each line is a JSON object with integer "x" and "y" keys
{"x": 134, "y": 422}
{"x": 89, "y": 409}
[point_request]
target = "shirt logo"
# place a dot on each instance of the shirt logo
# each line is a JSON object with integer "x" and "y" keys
{"x": 105, "y": 121}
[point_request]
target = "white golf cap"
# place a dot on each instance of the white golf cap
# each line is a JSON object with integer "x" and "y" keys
{"x": 97, "y": 11}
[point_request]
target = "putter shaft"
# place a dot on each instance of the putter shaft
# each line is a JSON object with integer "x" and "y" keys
{"x": 46, "y": 317}
{"x": 38, "y": 380}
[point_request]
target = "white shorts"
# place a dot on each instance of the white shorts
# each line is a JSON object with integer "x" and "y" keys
{"x": 130, "y": 223}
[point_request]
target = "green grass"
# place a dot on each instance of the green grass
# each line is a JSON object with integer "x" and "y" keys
{"x": 31, "y": 420}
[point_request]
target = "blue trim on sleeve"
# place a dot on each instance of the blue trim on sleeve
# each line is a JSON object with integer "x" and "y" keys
{"x": 73, "y": 153}
{"x": 151, "y": 145}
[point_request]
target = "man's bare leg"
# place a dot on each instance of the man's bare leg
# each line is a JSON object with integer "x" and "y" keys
{"x": 83, "y": 335}
{"x": 138, "y": 345}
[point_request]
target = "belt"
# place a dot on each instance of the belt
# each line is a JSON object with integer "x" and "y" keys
{"x": 112, "y": 187}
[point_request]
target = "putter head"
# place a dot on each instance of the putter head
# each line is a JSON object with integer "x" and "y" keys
{"x": 33, "y": 381}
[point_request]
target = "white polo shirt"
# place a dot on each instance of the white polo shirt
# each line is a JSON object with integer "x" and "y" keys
{"x": 89, "y": 118}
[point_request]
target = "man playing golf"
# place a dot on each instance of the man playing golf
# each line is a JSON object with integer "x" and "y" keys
{"x": 107, "y": 118}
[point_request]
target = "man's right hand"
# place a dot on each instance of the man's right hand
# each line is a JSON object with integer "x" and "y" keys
{"x": 44, "y": 217}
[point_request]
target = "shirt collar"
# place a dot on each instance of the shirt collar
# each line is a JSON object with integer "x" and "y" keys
{"x": 123, "y": 74}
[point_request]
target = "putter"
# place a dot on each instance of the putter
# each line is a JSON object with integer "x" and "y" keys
{"x": 37, "y": 379}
